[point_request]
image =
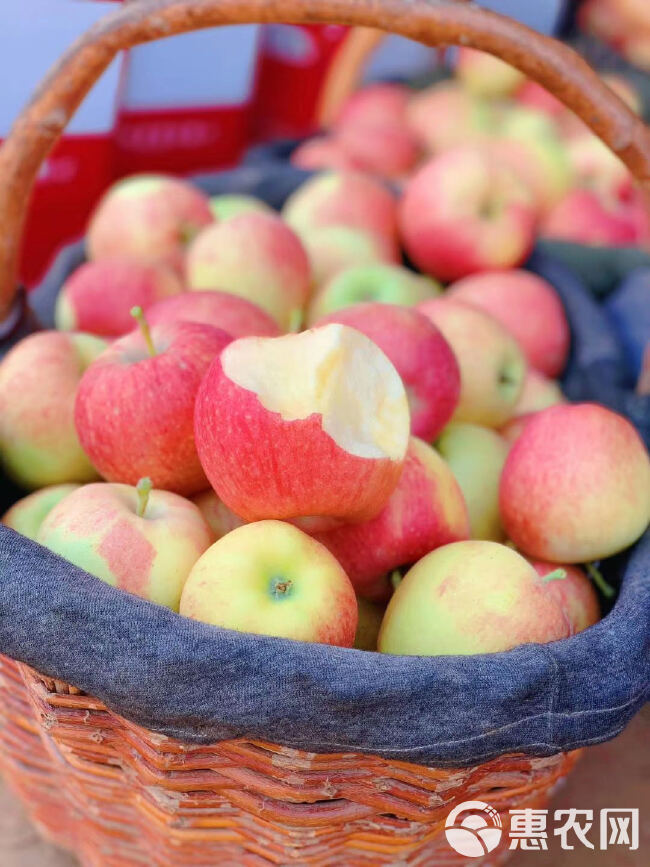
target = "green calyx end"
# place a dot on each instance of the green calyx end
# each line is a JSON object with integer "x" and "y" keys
{"x": 143, "y": 489}
{"x": 280, "y": 587}
{"x": 138, "y": 315}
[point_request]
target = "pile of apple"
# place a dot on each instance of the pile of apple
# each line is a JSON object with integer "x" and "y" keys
{"x": 499, "y": 146}
{"x": 268, "y": 423}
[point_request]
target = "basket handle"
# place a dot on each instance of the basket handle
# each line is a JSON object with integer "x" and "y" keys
{"x": 432, "y": 22}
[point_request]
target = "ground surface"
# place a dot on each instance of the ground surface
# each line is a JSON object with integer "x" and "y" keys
{"x": 616, "y": 774}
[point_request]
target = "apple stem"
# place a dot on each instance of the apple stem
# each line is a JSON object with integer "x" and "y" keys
{"x": 143, "y": 489}
{"x": 555, "y": 575}
{"x": 597, "y": 577}
{"x": 138, "y": 315}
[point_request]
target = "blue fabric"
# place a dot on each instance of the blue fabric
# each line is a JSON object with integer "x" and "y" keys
{"x": 201, "y": 684}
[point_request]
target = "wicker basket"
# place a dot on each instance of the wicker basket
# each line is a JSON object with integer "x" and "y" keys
{"x": 117, "y": 794}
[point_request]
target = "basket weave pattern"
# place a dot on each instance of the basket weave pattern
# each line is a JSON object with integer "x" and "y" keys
{"x": 117, "y": 794}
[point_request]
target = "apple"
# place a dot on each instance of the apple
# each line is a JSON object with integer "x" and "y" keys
{"x": 446, "y": 115}
{"x": 151, "y": 218}
{"x": 574, "y": 593}
{"x": 374, "y": 103}
{"x": 538, "y": 393}
{"x": 232, "y": 314}
{"x": 588, "y": 217}
{"x": 270, "y": 578}
{"x": 255, "y": 256}
{"x": 426, "y": 510}
{"x": 466, "y": 211}
{"x": 379, "y": 282}
{"x": 530, "y": 143}
{"x": 596, "y": 167}
{"x": 139, "y": 540}
{"x": 532, "y": 95}
{"x": 320, "y": 154}
{"x": 384, "y": 148}
{"x": 470, "y": 597}
{"x": 485, "y": 75}
{"x": 27, "y": 515}
{"x": 218, "y": 516}
{"x": 98, "y": 296}
{"x": 39, "y": 378}
{"x": 528, "y": 307}
{"x": 576, "y": 485}
{"x": 421, "y": 356}
{"x": 343, "y": 198}
{"x": 492, "y": 365}
{"x": 476, "y": 456}
{"x": 332, "y": 249}
{"x": 228, "y": 205}
{"x": 368, "y": 625}
{"x": 314, "y": 424}
{"x": 135, "y": 404}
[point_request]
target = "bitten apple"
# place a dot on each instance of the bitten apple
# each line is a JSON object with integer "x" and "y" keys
{"x": 98, "y": 296}
{"x": 466, "y": 211}
{"x": 269, "y": 578}
{"x": 135, "y": 404}
{"x": 470, "y": 597}
{"x": 492, "y": 366}
{"x": 39, "y": 378}
{"x": 426, "y": 510}
{"x": 151, "y": 218}
{"x": 576, "y": 485}
{"x": 421, "y": 356}
{"x": 388, "y": 284}
{"x": 528, "y": 307}
{"x": 232, "y": 314}
{"x": 27, "y": 515}
{"x": 258, "y": 257}
{"x": 142, "y": 541}
{"x": 306, "y": 425}
{"x": 476, "y": 456}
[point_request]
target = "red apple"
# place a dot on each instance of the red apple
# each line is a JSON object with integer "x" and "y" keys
{"x": 426, "y": 510}
{"x": 421, "y": 356}
{"x": 136, "y": 539}
{"x": 255, "y": 256}
{"x": 135, "y": 405}
{"x": 530, "y": 309}
{"x": 151, "y": 218}
{"x": 384, "y": 148}
{"x": 343, "y": 199}
{"x": 589, "y": 217}
{"x": 492, "y": 365}
{"x": 230, "y": 313}
{"x": 576, "y": 485}
{"x": 318, "y": 154}
{"x": 98, "y": 296}
{"x": 39, "y": 378}
{"x": 466, "y": 211}
{"x": 306, "y": 425}
{"x": 574, "y": 593}
{"x": 375, "y": 103}
{"x": 470, "y": 597}
{"x": 445, "y": 116}
{"x": 269, "y": 578}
